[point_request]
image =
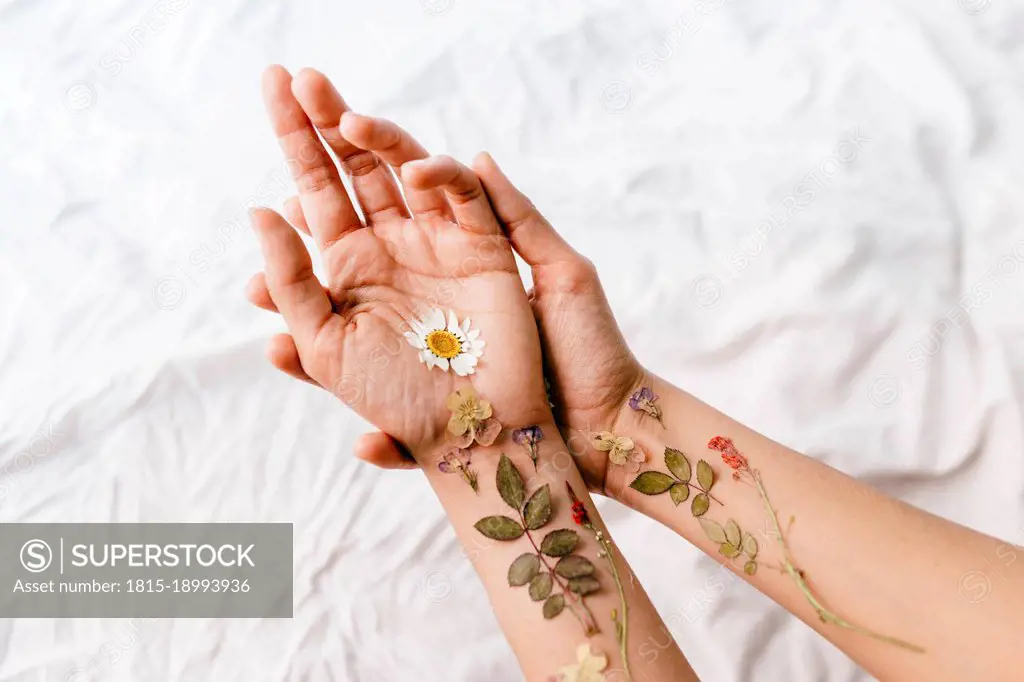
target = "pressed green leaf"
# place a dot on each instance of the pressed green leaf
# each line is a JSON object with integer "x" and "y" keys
{"x": 574, "y": 566}
{"x": 713, "y": 530}
{"x": 728, "y": 551}
{"x": 510, "y": 483}
{"x": 538, "y": 508}
{"x": 732, "y": 533}
{"x": 652, "y": 483}
{"x": 584, "y": 585}
{"x": 750, "y": 568}
{"x": 523, "y": 570}
{"x": 559, "y": 542}
{"x": 540, "y": 587}
{"x": 749, "y": 545}
{"x": 499, "y": 528}
{"x": 705, "y": 475}
{"x": 679, "y": 493}
{"x": 700, "y": 505}
{"x": 553, "y": 606}
{"x": 678, "y": 464}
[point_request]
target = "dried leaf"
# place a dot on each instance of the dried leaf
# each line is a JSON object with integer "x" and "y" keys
{"x": 510, "y": 483}
{"x": 524, "y": 569}
{"x": 574, "y": 566}
{"x": 499, "y": 528}
{"x": 705, "y": 475}
{"x": 652, "y": 483}
{"x": 728, "y": 551}
{"x": 678, "y": 464}
{"x": 679, "y": 492}
{"x": 750, "y": 568}
{"x": 553, "y": 606}
{"x": 540, "y": 587}
{"x": 584, "y": 585}
{"x": 538, "y": 508}
{"x": 749, "y": 545}
{"x": 559, "y": 542}
{"x": 732, "y": 533}
{"x": 713, "y": 530}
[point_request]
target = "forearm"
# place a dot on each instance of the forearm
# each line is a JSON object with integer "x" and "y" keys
{"x": 545, "y": 645}
{"x": 876, "y": 563}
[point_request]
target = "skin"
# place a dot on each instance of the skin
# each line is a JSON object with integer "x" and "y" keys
{"x": 441, "y": 247}
{"x": 885, "y": 566}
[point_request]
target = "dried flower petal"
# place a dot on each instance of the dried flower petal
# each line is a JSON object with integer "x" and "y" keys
{"x": 488, "y": 432}
{"x": 587, "y": 668}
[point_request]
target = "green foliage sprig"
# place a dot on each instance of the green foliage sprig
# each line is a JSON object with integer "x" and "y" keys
{"x": 679, "y": 483}
{"x": 571, "y": 579}
{"x": 732, "y": 542}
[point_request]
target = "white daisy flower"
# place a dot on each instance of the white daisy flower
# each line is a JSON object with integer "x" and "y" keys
{"x": 443, "y": 342}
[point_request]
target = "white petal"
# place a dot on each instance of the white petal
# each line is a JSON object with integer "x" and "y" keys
{"x": 453, "y": 322}
{"x": 425, "y": 357}
{"x": 457, "y": 333}
{"x": 462, "y": 364}
{"x": 465, "y": 325}
{"x": 474, "y": 334}
{"x": 414, "y": 340}
{"x": 442, "y": 363}
{"x": 434, "y": 320}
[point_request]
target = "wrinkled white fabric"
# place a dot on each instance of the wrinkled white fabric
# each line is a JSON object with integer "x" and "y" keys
{"x": 808, "y": 214}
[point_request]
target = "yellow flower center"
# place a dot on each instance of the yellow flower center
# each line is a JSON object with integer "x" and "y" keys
{"x": 443, "y": 344}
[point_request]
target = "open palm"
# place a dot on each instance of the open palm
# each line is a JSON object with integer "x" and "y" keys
{"x": 438, "y": 248}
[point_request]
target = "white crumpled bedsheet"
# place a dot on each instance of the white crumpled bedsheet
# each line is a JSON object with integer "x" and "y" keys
{"x": 809, "y": 214}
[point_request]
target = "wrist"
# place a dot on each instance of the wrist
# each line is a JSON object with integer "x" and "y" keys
{"x": 474, "y": 423}
{"x": 641, "y": 417}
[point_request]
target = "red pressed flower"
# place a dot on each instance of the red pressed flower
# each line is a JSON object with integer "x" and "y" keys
{"x": 730, "y": 455}
{"x": 735, "y": 460}
{"x": 579, "y": 513}
{"x": 721, "y": 444}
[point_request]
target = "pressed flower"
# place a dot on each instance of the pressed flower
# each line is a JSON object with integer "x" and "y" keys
{"x": 621, "y": 450}
{"x": 587, "y": 668}
{"x": 579, "y": 511}
{"x": 645, "y": 400}
{"x": 443, "y": 342}
{"x": 528, "y": 437}
{"x": 457, "y": 461}
{"x": 730, "y": 455}
{"x": 471, "y": 419}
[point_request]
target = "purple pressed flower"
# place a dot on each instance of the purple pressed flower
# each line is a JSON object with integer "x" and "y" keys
{"x": 528, "y": 437}
{"x": 457, "y": 461}
{"x": 643, "y": 400}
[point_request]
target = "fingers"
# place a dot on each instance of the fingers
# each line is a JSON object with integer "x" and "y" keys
{"x": 396, "y": 147}
{"x": 373, "y": 182}
{"x": 325, "y": 202}
{"x": 294, "y": 215}
{"x": 257, "y": 293}
{"x": 293, "y": 287}
{"x": 465, "y": 194}
{"x": 381, "y": 450}
{"x": 532, "y": 236}
{"x": 283, "y": 354}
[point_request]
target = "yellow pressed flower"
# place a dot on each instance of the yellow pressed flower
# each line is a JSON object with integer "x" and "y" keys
{"x": 471, "y": 419}
{"x": 587, "y": 668}
{"x": 621, "y": 450}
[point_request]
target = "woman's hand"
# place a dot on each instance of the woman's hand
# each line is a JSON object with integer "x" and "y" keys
{"x": 590, "y": 368}
{"x": 444, "y": 250}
